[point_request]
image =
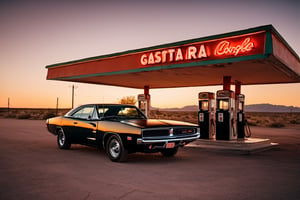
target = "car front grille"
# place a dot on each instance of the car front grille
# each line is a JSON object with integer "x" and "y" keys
{"x": 165, "y": 132}
{"x": 156, "y": 132}
{"x": 184, "y": 131}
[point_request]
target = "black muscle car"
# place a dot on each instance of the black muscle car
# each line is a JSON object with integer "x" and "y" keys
{"x": 120, "y": 129}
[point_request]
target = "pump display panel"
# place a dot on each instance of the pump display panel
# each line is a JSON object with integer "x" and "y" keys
{"x": 223, "y": 104}
{"x": 204, "y": 105}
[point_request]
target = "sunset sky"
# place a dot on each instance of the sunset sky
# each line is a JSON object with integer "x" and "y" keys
{"x": 34, "y": 34}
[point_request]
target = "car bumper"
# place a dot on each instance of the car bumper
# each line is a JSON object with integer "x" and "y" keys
{"x": 167, "y": 140}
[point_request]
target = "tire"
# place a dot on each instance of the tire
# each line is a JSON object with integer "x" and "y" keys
{"x": 169, "y": 152}
{"x": 115, "y": 149}
{"x": 63, "y": 141}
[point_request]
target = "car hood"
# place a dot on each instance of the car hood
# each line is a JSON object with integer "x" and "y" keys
{"x": 155, "y": 123}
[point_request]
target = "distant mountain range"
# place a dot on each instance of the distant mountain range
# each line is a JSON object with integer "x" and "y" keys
{"x": 270, "y": 108}
{"x": 248, "y": 108}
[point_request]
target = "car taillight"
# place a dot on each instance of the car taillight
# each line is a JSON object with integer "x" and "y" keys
{"x": 129, "y": 138}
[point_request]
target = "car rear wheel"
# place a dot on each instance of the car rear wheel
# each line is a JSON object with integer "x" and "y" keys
{"x": 115, "y": 149}
{"x": 62, "y": 140}
{"x": 169, "y": 152}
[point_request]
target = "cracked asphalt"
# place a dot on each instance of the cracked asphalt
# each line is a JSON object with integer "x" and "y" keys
{"x": 32, "y": 167}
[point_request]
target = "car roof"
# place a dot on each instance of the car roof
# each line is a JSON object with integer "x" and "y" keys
{"x": 106, "y": 104}
{"x": 98, "y": 105}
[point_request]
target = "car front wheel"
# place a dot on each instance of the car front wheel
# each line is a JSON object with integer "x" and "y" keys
{"x": 62, "y": 140}
{"x": 115, "y": 149}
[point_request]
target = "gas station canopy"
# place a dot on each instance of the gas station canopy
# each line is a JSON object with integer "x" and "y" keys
{"x": 253, "y": 56}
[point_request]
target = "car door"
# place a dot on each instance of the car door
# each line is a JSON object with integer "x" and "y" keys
{"x": 91, "y": 132}
{"x": 85, "y": 125}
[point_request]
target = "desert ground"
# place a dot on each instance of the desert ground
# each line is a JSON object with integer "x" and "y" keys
{"x": 33, "y": 167}
{"x": 260, "y": 119}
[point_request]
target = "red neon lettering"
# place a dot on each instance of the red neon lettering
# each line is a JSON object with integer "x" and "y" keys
{"x": 164, "y": 56}
{"x": 202, "y": 52}
{"x": 157, "y": 56}
{"x": 151, "y": 59}
{"x": 144, "y": 60}
{"x": 191, "y": 53}
{"x": 225, "y": 48}
{"x": 171, "y": 55}
{"x": 171, "y": 52}
{"x": 178, "y": 56}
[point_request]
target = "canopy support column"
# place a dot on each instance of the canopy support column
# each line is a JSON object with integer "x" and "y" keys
{"x": 147, "y": 101}
{"x": 237, "y": 88}
{"x": 146, "y": 90}
{"x": 226, "y": 82}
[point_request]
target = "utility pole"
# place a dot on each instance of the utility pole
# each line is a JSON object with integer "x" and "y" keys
{"x": 8, "y": 105}
{"x": 56, "y": 106}
{"x": 73, "y": 92}
{"x": 72, "y": 96}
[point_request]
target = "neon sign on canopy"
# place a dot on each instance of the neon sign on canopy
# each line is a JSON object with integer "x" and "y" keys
{"x": 216, "y": 49}
{"x": 174, "y": 54}
{"x": 226, "y": 48}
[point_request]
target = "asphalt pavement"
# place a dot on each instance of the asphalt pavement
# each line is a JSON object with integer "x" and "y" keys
{"x": 32, "y": 167}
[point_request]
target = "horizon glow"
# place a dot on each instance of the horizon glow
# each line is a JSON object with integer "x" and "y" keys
{"x": 36, "y": 33}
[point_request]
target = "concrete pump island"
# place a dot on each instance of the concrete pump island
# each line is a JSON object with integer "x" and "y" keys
{"x": 253, "y": 56}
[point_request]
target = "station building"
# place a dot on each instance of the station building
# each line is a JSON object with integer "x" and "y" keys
{"x": 258, "y": 55}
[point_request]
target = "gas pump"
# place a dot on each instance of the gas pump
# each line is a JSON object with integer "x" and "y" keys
{"x": 240, "y": 120}
{"x": 225, "y": 110}
{"x": 206, "y": 115}
{"x": 242, "y": 127}
{"x": 144, "y": 103}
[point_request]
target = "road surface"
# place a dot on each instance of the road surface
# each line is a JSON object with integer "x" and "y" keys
{"x": 32, "y": 167}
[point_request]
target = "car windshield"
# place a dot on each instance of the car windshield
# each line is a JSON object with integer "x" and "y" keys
{"x": 119, "y": 112}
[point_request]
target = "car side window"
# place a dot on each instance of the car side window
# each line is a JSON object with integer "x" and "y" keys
{"x": 130, "y": 112}
{"x": 102, "y": 111}
{"x": 94, "y": 116}
{"x": 84, "y": 113}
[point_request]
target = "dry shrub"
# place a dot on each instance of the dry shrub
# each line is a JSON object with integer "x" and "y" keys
{"x": 251, "y": 122}
{"x": 277, "y": 125}
{"x": 24, "y": 116}
{"x": 294, "y": 121}
{"x": 10, "y": 115}
{"x": 48, "y": 115}
{"x": 274, "y": 119}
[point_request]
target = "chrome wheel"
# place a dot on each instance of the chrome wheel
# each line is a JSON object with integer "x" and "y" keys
{"x": 63, "y": 141}
{"x": 114, "y": 148}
